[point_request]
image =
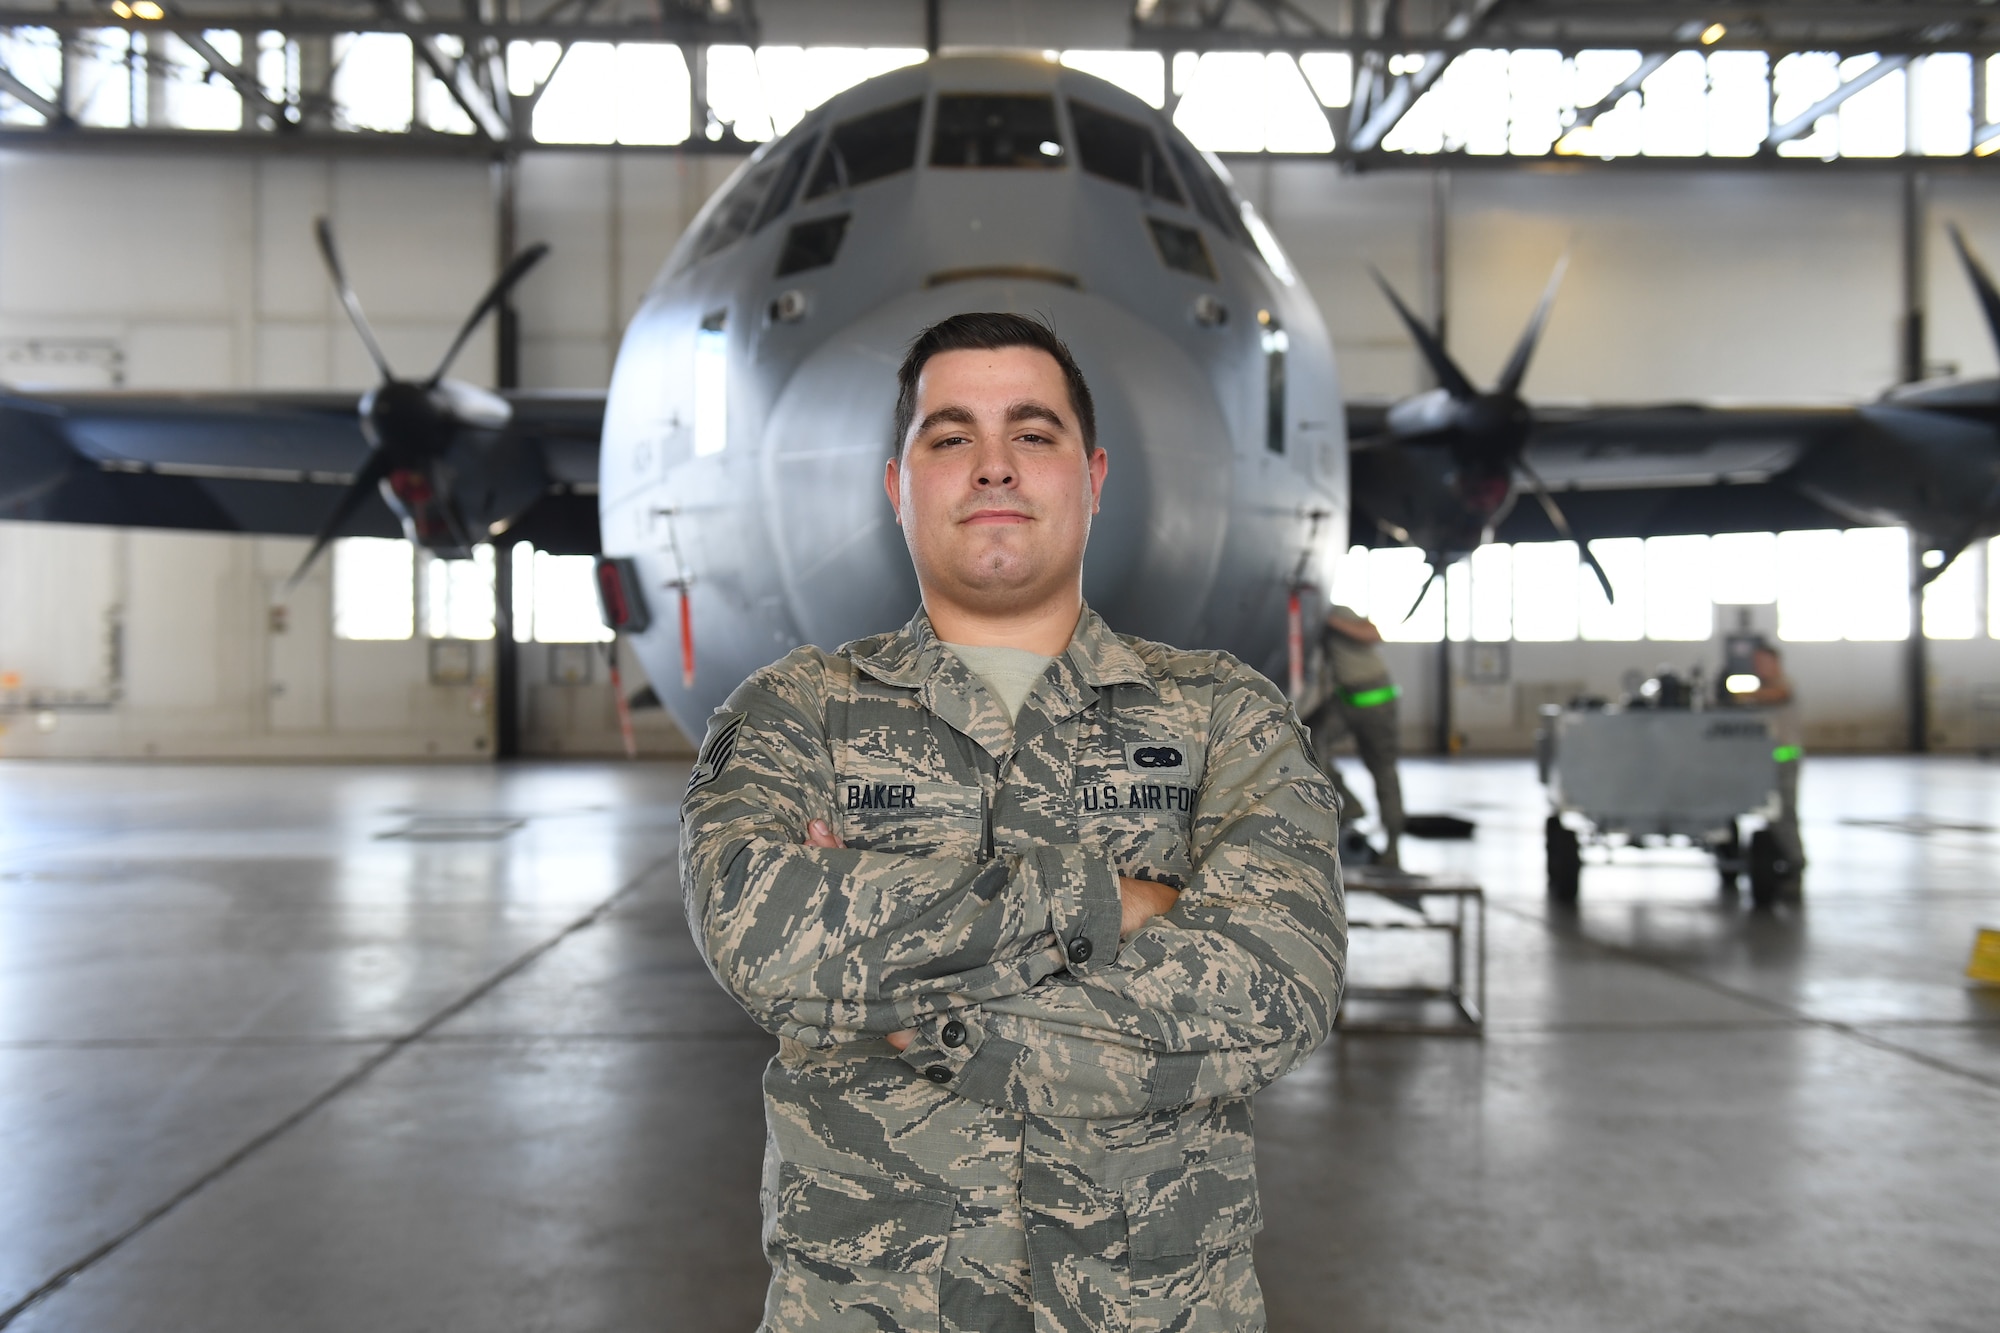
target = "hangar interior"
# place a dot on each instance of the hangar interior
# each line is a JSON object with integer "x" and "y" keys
{"x": 410, "y": 1044}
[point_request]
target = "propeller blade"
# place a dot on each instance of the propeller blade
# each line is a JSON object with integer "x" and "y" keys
{"x": 1524, "y": 350}
{"x": 1982, "y": 282}
{"x": 1560, "y": 523}
{"x": 1425, "y": 590}
{"x": 324, "y": 230}
{"x": 1441, "y": 364}
{"x": 356, "y": 494}
{"x": 513, "y": 273}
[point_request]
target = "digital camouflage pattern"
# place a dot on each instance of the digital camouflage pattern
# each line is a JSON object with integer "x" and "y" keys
{"x": 1067, "y": 1143}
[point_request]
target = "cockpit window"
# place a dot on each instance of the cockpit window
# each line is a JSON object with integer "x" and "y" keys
{"x": 995, "y": 130}
{"x": 1211, "y": 197}
{"x": 733, "y": 215}
{"x": 786, "y": 183}
{"x": 1122, "y": 150}
{"x": 867, "y": 148}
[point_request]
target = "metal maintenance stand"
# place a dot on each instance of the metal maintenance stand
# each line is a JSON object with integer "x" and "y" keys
{"x": 1393, "y": 901}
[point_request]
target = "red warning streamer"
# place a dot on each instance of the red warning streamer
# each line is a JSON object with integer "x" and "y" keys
{"x": 1295, "y": 645}
{"x": 687, "y": 642}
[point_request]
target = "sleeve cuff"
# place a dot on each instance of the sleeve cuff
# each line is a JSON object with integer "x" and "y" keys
{"x": 944, "y": 1045}
{"x": 1085, "y": 908}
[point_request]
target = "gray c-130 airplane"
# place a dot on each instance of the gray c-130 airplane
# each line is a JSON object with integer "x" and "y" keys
{"x": 730, "y": 478}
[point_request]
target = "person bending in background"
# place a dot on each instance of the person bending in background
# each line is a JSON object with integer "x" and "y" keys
{"x": 1353, "y": 695}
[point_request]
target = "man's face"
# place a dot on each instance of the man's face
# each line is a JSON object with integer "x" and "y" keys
{"x": 994, "y": 487}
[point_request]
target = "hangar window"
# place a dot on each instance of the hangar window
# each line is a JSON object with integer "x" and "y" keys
{"x": 1951, "y": 601}
{"x": 1181, "y": 248}
{"x": 1545, "y": 609}
{"x": 458, "y": 596}
{"x": 812, "y": 244}
{"x": 867, "y": 148}
{"x": 1140, "y": 73}
{"x": 374, "y": 588}
{"x": 1993, "y": 588}
{"x": 555, "y": 598}
{"x": 1623, "y": 620}
{"x": 1248, "y": 102}
{"x": 1122, "y": 150}
{"x": 1678, "y": 605}
{"x": 1844, "y": 585}
{"x": 995, "y": 130}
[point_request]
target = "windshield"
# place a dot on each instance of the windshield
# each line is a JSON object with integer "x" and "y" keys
{"x": 994, "y": 130}
{"x": 867, "y": 148}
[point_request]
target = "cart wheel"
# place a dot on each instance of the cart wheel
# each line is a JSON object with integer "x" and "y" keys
{"x": 1565, "y": 861}
{"x": 1729, "y": 862}
{"x": 1766, "y": 869}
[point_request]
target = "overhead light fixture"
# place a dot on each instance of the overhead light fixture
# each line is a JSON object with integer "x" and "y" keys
{"x": 1933, "y": 559}
{"x": 1713, "y": 33}
{"x": 121, "y": 9}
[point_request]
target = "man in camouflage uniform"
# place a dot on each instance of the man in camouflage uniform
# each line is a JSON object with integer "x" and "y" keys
{"x": 1026, "y": 958}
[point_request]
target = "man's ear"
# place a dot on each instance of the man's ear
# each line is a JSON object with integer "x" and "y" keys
{"x": 892, "y": 483}
{"x": 1099, "y": 462}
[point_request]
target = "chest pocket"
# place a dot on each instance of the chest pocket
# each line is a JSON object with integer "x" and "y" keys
{"x": 1135, "y": 799}
{"x": 917, "y": 818}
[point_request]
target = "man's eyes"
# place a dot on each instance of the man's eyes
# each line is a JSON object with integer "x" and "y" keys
{"x": 1025, "y": 437}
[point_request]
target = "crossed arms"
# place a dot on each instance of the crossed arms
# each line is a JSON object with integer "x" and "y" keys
{"x": 977, "y": 963}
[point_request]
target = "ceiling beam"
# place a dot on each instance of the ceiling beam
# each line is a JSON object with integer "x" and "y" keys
{"x": 1802, "y": 124}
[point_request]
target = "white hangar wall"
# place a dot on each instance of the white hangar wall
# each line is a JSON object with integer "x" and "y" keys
{"x": 200, "y": 272}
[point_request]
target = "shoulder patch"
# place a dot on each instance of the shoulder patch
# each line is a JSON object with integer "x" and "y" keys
{"x": 715, "y": 754}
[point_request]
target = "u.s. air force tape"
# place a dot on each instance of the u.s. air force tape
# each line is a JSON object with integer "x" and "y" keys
{"x": 715, "y": 755}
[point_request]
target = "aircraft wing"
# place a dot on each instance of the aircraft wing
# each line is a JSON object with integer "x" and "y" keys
{"x": 1675, "y": 469}
{"x": 1676, "y": 445}
{"x": 252, "y": 462}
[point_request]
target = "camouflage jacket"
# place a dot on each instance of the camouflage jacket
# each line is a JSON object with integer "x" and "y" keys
{"x": 1067, "y": 1143}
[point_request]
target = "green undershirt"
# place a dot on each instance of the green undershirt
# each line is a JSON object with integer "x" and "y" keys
{"x": 1011, "y": 673}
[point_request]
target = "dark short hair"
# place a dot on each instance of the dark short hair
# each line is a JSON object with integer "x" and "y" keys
{"x": 987, "y": 331}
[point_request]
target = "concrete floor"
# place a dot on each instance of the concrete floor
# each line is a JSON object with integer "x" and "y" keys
{"x": 336, "y": 1048}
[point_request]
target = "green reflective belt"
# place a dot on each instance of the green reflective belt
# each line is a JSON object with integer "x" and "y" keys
{"x": 1381, "y": 694}
{"x": 1784, "y": 754}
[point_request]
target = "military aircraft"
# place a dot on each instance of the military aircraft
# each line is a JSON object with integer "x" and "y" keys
{"x": 737, "y": 483}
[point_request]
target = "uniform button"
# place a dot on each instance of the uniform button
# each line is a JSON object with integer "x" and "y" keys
{"x": 1079, "y": 950}
{"x": 938, "y": 1074}
{"x": 954, "y": 1033}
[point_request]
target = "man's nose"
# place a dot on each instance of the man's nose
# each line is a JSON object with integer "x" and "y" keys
{"x": 995, "y": 466}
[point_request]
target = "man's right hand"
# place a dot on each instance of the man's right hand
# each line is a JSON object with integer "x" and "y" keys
{"x": 1142, "y": 900}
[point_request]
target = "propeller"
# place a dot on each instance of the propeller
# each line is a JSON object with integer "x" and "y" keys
{"x": 1563, "y": 529}
{"x": 348, "y": 300}
{"x": 401, "y": 418}
{"x": 1982, "y": 282}
{"x": 1448, "y": 374}
{"x": 1491, "y": 427}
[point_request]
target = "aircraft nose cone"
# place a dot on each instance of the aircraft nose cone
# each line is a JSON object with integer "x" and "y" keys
{"x": 1155, "y": 545}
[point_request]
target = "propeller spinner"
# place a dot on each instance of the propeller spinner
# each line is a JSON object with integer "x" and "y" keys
{"x": 412, "y": 425}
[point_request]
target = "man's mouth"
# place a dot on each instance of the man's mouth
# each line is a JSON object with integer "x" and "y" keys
{"x": 984, "y": 516}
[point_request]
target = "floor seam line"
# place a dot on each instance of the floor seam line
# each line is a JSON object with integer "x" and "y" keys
{"x": 1748, "y": 997}
{"x": 326, "y": 1096}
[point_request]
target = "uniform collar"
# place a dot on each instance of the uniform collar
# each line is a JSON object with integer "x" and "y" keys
{"x": 915, "y": 658}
